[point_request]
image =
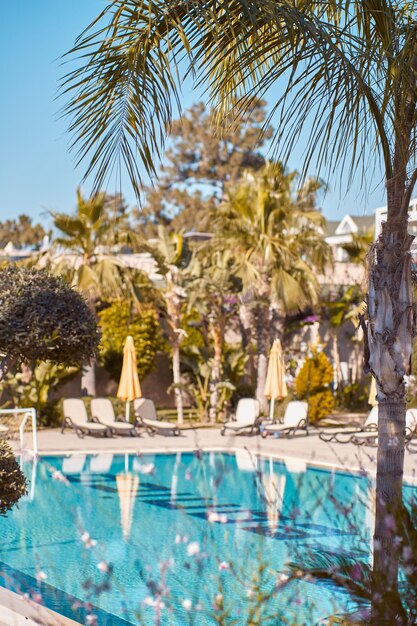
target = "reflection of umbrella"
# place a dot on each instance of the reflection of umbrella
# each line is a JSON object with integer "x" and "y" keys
{"x": 372, "y": 393}
{"x": 129, "y": 387}
{"x": 127, "y": 487}
{"x": 275, "y": 386}
{"x": 274, "y": 488}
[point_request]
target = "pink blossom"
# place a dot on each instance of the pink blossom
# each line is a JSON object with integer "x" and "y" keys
{"x": 224, "y": 565}
{"x": 193, "y": 548}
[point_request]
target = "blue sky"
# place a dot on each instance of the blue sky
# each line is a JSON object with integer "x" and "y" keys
{"x": 36, "y": 171}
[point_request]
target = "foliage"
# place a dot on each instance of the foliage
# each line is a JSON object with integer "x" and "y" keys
{"x": 22, "y": 232}
{"x": 312, "y": 384}
{"x": 197, "y": 367}
{"x": 274, "y": 234}
{"x": 91, "y": 237}
{"x": 12, "y": 480}
{"x": 197, "y": 166}
{"x": 354, "y": 397}
{"x": 33, "y": 389}
{"x": 119, "y": 320}
{"x": 355, "y": 575}
{"x": 42, "y": 318}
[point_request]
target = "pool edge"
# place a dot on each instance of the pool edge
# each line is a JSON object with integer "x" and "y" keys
{"x": 18, "y": 606}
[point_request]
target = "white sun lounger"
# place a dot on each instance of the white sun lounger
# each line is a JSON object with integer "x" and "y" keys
{"x": 246, "y": 417}
{"x": 147, "y": 416}
{"x": 75, "y": 416}
{"x": 295, "y": 419}
{"x": 370, "y": 438}
{"x": 102, "y": 410}
{"x": 344, "y": 435}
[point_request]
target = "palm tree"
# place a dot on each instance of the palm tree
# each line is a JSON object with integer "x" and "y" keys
{"x": 170, "y": 253}
{"x": 347, "y": 85}
{"x": 278, "y": 250}
{"x": 84, "y": 255}
{"x": 212, "y": 292}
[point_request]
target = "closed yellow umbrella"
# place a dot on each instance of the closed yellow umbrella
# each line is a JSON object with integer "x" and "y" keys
{"x": 129, "y": 386}
{"x": 372, "y": 393}
{"x": 275, "y": 386}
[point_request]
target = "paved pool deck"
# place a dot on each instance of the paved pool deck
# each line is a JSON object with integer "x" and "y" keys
{"x": 310, "y": 449}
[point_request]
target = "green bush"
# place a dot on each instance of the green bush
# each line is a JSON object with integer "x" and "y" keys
{"x": 12, "y": 480}
{"x": 116, "y": 322}
{"x": 354, "y": 397}
{"x": 312, "y": 384}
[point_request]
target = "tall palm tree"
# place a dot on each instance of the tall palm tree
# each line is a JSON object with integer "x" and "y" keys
{"x": 83, "y": 253}
{"x": 347, "y": 85}
{"x": 212, "y": 291}
{"x": 170, "y": 253}
{"x": 278, "y": 250}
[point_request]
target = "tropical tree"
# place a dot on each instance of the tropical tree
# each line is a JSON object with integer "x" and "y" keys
{"x": 213, "y": 292}
{"x": 197, "y": 166}
{"x": 277, "y": 247}
{"x": 171, "y": 255}
{"x": 85, "y": 254}
{"x": 347, "y": 85}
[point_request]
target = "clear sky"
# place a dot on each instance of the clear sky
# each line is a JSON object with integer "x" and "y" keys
{"x": 36, "y": 171}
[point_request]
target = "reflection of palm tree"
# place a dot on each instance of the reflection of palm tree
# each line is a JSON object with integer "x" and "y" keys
{"x": 278, "y": 246}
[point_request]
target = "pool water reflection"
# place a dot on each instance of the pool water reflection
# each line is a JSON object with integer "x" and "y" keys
{"x": 182, "y": 538}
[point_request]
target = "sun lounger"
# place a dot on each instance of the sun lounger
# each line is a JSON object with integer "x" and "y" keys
{"x": 146, "y": 415}
{"x": 75, "y": 416}
{"x": 345, "y": 435}
{"x": 371, "y": 438}
{"x": 295, "y": 420}
{"x": 103, "y": 412}
{"x": 246, "y": 417}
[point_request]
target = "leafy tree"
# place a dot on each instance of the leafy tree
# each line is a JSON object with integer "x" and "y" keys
{"x": 347, "y": 308}
{"x": 12, "y": 479}
{"x": 22, "y": 232}
{"x": 212, "y": 291}
{"x": 198, "y": 164}
{"x": 277, "y": 246}
{"x": 119, "y": 320}
{"x": 312, "y": 384}
{"x": 171, "y": 255}
{"x": 346, "y": 68}
{"x": 90, "y": 263}
{"x": 42, "y": 318}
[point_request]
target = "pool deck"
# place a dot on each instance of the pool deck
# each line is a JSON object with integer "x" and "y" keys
{"x": 304, "y": 448}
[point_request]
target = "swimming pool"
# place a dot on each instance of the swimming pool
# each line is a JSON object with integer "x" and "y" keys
{"x": 183, "y": 538}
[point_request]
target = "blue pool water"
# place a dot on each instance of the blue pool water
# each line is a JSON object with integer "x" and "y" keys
{"x": 177, "y": 539}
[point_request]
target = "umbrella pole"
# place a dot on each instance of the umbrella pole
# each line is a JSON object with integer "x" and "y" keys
{"x": 271, "y": 409}
{"x": 128, "y": 411}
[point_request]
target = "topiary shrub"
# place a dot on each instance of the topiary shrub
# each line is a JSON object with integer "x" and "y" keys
{"x": 12, "y": 480}
{"x": 42, "y": 318}
{"x": 312, "y": 384}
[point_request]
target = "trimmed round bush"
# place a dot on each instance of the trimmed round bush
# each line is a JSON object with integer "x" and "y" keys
{"x": 12, "y": 480}
{"x": 42, "y": 318}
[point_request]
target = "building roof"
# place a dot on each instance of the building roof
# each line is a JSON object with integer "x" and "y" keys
{"x": 331, "y": 226}
{"x": 363, "y": 222}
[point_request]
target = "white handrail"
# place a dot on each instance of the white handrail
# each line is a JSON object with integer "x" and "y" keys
{"x": 30, "y": 413}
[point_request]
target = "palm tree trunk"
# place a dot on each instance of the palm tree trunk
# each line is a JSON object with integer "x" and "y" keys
{"x": 215, "y": 374}
{"x": 262, "y": 341}
{"x": 336, "y": 360}
{"x": 176, "y": 374}
{"x": 389, "y": 337}
{"x": 88, "y": 379}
